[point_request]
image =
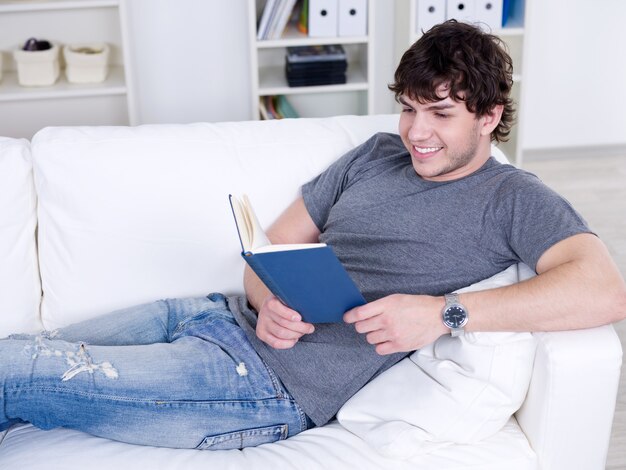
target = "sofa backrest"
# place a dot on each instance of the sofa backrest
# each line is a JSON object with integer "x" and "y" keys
{"x": 20, "y": 289}
{"x": 130, "y": 215}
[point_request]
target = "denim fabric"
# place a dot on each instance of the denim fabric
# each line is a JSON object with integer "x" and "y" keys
{"x": 175, "y": 373}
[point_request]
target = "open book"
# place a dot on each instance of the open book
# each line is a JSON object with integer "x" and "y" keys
{"x": 306, "y": 277}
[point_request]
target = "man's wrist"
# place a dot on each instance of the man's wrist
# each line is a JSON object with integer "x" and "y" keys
{"x": 454, "y": 314}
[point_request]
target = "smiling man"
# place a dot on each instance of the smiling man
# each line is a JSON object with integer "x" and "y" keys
{"x": 416, "y": 216}
{"x": 445, "y": 140}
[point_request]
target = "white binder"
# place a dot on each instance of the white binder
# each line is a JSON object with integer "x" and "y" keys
{"x": 489, "y": 14}
{"x": 352, "y": 17}
{"x": 429, "y": 13}
{"x": 323, "y": 18}
{"x": 461, "y": 10}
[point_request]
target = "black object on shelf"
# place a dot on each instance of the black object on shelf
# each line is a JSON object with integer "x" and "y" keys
{"x": 316, "y": 65}
{"x": 33, "y": 44}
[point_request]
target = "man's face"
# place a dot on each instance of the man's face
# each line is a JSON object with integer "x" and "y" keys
{"x": 445, "y": 140}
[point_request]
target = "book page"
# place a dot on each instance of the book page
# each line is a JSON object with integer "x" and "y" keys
{"x": 288, "y": 247}
{"x": 258, "y": 238}
{"x": 250, "y": 232}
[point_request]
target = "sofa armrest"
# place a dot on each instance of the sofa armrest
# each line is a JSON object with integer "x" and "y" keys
{"x": 568, "y": 412}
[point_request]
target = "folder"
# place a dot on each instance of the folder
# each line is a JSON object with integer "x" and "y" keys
{"x": 352, "y": 17}
{"x": 323, "y": 18}
{"x": 268, "y": 12}
{"x": 489, "y": 14}
{"x": 283, "y": 14}
{"x": 461, "y": 10}
{"x": 429, "y": 13}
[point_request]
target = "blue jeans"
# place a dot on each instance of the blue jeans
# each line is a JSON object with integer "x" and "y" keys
{"x": 174, "y": 373}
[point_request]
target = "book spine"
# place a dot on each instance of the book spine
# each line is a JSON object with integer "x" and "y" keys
{"x": 265, "y": 277}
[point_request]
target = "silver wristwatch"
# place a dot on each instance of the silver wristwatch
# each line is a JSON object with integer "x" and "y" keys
{"x": 454, "y": 314}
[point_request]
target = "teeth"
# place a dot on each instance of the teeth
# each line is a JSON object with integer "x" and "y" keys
{"x": 426, "y": 150}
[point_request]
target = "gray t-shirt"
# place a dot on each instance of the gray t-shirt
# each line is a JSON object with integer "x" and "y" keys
{"x": 397, "y": 233}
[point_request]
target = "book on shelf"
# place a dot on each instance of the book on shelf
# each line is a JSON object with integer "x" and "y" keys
{"x": 276, "y": 107}
{"x": 309, "y": 278}
{"x": 303, "y": 18}
{"x": 274, "y": 18}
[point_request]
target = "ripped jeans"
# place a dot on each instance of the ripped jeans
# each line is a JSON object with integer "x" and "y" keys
{"x": 174, "y": 373}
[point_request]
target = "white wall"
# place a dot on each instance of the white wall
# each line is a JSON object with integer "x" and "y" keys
{"x": 191, "y": 64}
{"x": 190, "y": 60}
{"x": 575, "y": 74}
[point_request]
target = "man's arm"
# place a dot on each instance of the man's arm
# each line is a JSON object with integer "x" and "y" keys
{"x": 278, "y": 325}
{"x": 578, "y": 286}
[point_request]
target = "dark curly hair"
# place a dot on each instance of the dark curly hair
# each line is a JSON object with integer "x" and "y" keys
{"x": 473, "y": 64}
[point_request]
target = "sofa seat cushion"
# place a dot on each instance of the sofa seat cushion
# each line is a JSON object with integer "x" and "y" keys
{"x": 328, "y": 447}
{"x": 20, "y": 293}
{"x": 456, "y": 390}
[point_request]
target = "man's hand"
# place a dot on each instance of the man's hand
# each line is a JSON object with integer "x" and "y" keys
{"x": 279, "y": 326}
{"x": 399, "y": 322}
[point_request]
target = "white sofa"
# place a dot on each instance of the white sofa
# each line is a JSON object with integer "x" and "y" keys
{"x": 97, "y": 218}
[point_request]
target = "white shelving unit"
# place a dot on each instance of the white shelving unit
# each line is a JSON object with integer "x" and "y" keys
{"x": 513, "y": 35}
{"x": 24, "y": 110}
{"x": 267, "y": 66}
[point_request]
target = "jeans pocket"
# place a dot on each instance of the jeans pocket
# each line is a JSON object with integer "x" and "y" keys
{"x": 245, "y": 438}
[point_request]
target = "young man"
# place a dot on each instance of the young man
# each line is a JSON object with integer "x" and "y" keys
{"x": 412, "y": 218}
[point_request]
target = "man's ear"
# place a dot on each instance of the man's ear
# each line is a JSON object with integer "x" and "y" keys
{"x": 491, "y": 119}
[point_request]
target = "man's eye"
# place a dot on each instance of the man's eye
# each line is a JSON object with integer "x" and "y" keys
{"x": 407, "y": 110}
{"x": 442, "y": 115}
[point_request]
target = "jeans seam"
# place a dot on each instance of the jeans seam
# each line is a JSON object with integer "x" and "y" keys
{"x": 276, "y": 383}
{"x": 143, "y": 400}
{"x": 170, "y": 331}
{"x": 278, "y": 387}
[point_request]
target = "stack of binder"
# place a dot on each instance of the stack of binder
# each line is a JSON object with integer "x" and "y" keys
{"x": 315, "y": 65}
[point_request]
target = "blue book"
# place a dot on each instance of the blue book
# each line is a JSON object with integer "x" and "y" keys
{"x": 308, "y": 278}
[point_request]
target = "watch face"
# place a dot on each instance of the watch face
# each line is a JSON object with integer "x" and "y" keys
{"x": 454, "y": 317}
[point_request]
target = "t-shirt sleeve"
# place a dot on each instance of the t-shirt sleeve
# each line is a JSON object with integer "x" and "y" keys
{"x": 322, "y": 192}
{"x": 537, "y": 217}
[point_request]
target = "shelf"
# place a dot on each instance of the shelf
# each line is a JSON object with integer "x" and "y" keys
{"x": 293, "y": 37}
{"x": 267, "y": 58}
{"x": 10, "y": 90}
{"x": 38, "y": 5}
{"x": 272, "y": 81}
{"x": 506, "y": 31}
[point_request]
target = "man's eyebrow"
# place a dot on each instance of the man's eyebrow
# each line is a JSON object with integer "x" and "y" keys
{"x": 436, "y": 106}
{"x": 439, "y": 106}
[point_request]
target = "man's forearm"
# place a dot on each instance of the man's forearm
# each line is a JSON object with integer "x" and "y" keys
{"x": 585, "y": 292}
{"x": 256, "y": 292}
{"x": 578, "y": 286}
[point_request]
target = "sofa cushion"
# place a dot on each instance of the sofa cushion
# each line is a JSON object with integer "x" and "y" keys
{"x": 457, "y": 390}
{"x": 330, "y": 447}
{"x": 129, "y": 215}
{"x": 20, "y": 293}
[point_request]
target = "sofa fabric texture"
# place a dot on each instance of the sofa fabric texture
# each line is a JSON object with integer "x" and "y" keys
{"x": 20, "y": 288}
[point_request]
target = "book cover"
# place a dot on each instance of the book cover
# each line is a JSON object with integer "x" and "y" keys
{"x": 303, "y": 18}
{"x": 285, "y": 108}
{"x": 282, "y": 18}
{"x": 308, "y": 278}
{"x": 268, "y": 13}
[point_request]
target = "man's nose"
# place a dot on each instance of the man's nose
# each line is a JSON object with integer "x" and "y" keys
{"x": 420, "y": 128}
